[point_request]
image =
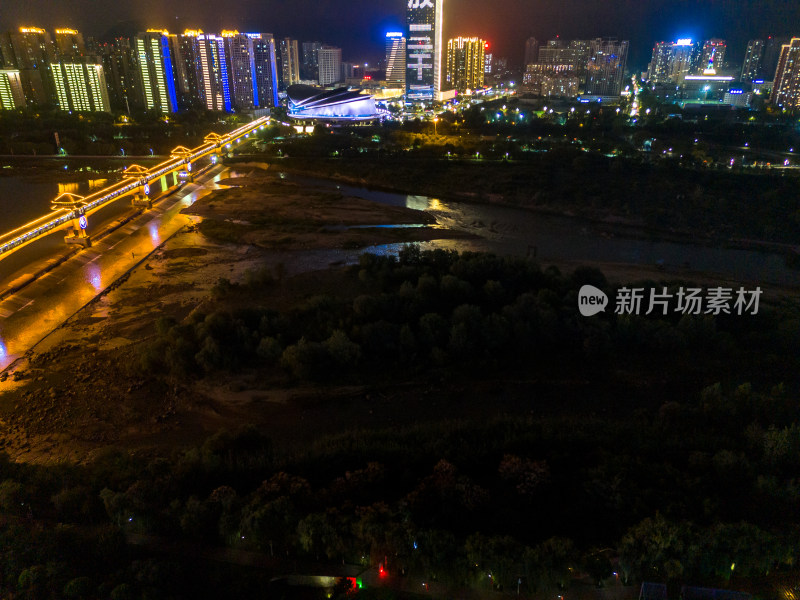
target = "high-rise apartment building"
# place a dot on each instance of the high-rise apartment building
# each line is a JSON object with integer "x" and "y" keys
{"x": 289, "y": 63}
{"x": 212, "y": 75}
{"x": 396, "y": 59}
{"x": 69, "y": 44}
{"x": 531, "y": 51}
{"x": 786, "y": 88}
{"x": 240, "y": 52}
{"x": 265, "y": 62}
{"x": 31, "y": 51}
{"x": 424, "y": 49}
{"x": 605, "y": 70}
{"x": 121, "y": 71}
{"x": 185, "y": 50}
{"x": 155, "y": 71}
{"x": 329, "y": 59}
{"x": 310, "y": 68}
{"x": 80, "y": 87}
{"x": 660, "y": 62}
{"x": 712, "y": 59}
{"x": 751, "y": 67}
{"x": 560, "y": 56}
{"x": 671, "y": 60}
{"x": 772, "y": 52}
{"x": 465, "y": 63}
{"x": 11, "y": 95}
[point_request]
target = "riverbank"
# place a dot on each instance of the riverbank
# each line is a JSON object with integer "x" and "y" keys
{"x": 594, "y": 211}
{"x": 262, "y": 209}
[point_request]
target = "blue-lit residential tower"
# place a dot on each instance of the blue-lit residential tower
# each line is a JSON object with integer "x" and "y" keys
{"x": 212, "y": 74}
{"x": 155, "y": 71}
{"x": 241, "y": 69}
{"x": 266, "y": 70}
{"x": 185, "y": 59}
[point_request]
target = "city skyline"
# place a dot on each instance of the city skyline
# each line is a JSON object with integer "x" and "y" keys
{"x": 359, "y": 27}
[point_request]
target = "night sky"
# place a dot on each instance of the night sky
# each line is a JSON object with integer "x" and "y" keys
{"x": 358, "y": 26}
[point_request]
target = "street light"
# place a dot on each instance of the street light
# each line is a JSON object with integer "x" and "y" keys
{"x": 435, "y": 121}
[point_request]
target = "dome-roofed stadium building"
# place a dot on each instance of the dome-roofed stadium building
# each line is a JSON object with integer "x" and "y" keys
{"x": 342, "y": 105}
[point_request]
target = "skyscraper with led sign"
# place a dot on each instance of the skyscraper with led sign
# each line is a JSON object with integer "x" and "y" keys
{"x": 424, "y": 49}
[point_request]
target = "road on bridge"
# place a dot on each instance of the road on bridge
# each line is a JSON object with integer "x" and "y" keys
{"x": 29, "y": 315}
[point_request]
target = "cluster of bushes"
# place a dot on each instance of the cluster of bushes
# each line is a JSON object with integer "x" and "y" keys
{"x": 475, "y": 313}
{"x": 677, "y": 495}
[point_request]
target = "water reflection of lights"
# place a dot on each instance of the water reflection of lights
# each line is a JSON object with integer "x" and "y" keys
{"x": 71, "y": 188}
{"x": 154, "y": 236}
{"x": 97, "y": 183}
{"x": 423, "y": 203}
{"x": 94, "y": 276}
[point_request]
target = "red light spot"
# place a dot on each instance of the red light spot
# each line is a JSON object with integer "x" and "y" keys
{"x": 381, "y": 571}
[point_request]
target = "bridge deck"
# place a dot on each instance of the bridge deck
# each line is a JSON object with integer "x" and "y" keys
{"x": 60, "y": 217}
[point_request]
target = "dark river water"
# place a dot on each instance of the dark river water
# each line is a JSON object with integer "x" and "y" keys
{"x": 508, "y": 230}
{"x": 502, "y": 230}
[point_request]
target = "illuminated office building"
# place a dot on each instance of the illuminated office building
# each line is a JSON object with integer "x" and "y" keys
{"x": 329, "y": 59}
{"x": 395, "y": 59}
{"x": 155, "y": 71}
{"x": 424, "y": 49}
{"x": 786, "y": 88}
{"x": 751, "y": 67}
{"x": 465, "y": 63}
{"x": 289, "y": 63}
{"x": 80, "y": 87}
{"x": 11, "y": 95}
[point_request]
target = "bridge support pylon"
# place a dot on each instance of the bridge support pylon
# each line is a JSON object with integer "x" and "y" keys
{"x": 77, "y": 235}
{"x": 142, "y": 200}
